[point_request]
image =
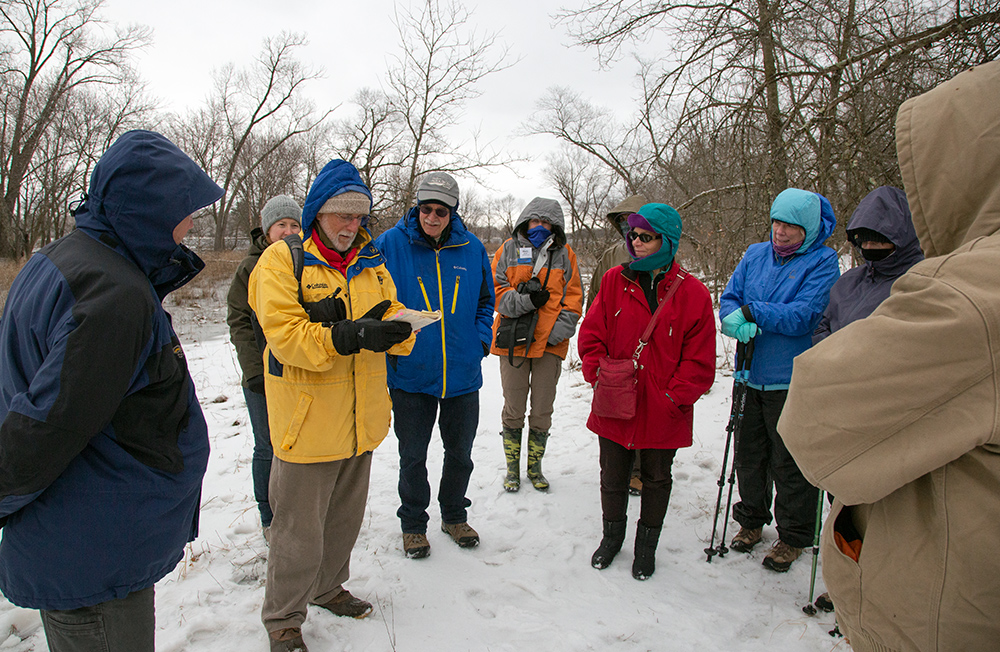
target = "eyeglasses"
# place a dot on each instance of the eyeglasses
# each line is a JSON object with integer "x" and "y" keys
{"x": 644, "y": 237}
{"x": 440, "y": 211}
{"x": 348, "y": 219}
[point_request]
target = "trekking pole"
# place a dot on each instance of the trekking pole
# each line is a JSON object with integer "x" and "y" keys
{"x": 744, "y": 353}
{"x": 711, "y": 551}
{"x": 737, "y": 429}
{"x": 810, "y": 609}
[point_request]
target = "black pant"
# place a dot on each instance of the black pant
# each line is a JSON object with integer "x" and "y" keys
{"x": 125, "y": 625}
{"x": 616, "y": 469}
{"x": 762, "y": 461}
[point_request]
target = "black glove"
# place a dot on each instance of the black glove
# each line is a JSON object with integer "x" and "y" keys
{"x": 328, "y": 310}
{"x": 369, "y": 332}
{"x": 256, "y": 384}
{"x": 539, "y": 297}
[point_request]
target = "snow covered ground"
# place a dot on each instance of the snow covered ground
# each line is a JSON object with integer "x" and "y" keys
{"x": 528, "y": 586}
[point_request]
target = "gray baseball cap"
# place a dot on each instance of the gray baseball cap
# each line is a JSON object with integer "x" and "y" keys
{"x": 438, "y": 187}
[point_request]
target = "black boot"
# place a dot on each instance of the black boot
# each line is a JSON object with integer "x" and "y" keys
{"x": 614, "y": 536}
{"x": 646, "y": 539}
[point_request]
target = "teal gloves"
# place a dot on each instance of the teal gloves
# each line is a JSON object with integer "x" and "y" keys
{"x": 744, "y": 332}
{"x": 740, "y": 324}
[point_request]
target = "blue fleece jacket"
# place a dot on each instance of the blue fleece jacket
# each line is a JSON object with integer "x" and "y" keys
{"x": 456, "y": 278}
{"x": 103, "y": 444}
{"x": 787, "y": 296}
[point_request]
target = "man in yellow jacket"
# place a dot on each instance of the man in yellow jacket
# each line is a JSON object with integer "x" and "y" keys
{"x": 896, "y": 414}
{"x": 328, "y": 404}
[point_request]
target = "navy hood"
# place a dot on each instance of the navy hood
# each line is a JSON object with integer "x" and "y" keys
{"x": 886, "y": 211}
{"x": 336, "y": 178}
{"x": 141, "y": 189}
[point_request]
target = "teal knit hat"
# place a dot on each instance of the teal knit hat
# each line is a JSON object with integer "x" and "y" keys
{"x": 667, "y": 222}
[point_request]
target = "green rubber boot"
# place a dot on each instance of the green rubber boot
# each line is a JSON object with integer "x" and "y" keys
{"x": 512, "y": 450}
{"x": 536, "y": 449}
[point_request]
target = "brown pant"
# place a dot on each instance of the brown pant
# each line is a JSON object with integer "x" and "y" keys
{"x": 318, "y": 510}
{"x": 540, "y": 376}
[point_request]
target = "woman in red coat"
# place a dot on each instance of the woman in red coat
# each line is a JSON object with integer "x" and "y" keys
{"x": 675, "y": 368}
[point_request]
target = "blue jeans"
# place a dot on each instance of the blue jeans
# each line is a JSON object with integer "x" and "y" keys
{"x": 262, "y": 452}
{"x": 413, "y": 421}
{"x": 126, "y": 625}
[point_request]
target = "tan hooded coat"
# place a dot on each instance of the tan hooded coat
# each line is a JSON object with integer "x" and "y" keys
{"x": 898, "y": 415}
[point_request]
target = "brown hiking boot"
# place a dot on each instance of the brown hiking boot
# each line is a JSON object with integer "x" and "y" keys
{"x": 287, "y": 640}
{"x": 635, "y": 486}
{"x": 345, "y": 604}
{"x": 780, "y": 557}
{"x": 462, "y": 534}
{"x": 746, "y": 539}
{"x": 416, "y": 545}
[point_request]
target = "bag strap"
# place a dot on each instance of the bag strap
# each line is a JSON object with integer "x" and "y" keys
{"x": 644, "y": 338}
{"x": 534, "y": 322}
{"x": 294, "y": 243}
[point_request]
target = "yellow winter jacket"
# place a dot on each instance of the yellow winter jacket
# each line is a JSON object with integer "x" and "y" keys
{"x": 322, "y": 406}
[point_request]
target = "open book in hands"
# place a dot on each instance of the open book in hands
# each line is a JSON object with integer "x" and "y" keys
{"x": 416, "y": 318}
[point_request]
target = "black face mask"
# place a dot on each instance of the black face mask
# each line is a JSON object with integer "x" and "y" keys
{"x": 875, "y": 255}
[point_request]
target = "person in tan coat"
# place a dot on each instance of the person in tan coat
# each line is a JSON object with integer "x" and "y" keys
{"x": 896, "y": 414}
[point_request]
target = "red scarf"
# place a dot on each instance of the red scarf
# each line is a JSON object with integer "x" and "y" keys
{"x": 338, "y": 261}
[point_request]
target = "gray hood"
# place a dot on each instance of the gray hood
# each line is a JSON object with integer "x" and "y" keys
{"x": 543, "y": 209}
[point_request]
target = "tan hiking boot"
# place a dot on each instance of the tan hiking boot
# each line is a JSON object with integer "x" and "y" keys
{"x": 780, "y": 557}
{"x": 416, "y": 545}
{"x": 635, "y": 486}
{"x": 287, "y": 640}
{"x": 345, "y": 604}
{"x": 746, "y": 539}
{"x": 462, "y": 534}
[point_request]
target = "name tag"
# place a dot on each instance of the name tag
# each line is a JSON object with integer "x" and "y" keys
{"x": 524, "y": 255}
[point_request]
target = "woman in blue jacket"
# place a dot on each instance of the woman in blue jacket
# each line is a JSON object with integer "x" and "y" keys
{"x": 777, "y": 295}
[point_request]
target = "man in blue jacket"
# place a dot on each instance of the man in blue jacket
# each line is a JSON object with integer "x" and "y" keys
{"x": 776, "y": 296}
{"x": 103, "y": 444}
{"x": 437, "y": 264}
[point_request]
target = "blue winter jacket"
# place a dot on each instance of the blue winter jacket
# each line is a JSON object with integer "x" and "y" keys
{"x": 456, "y": 278}
{"x": 103, "y": 444}
{"x": 786, "y": 296}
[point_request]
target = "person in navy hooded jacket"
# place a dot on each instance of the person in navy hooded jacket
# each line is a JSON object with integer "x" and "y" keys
{"x": 776, "y": 296}
{"x": 881, "y": 229}
{"x": 103, "y": 444}
{"x": 437, "y": 264}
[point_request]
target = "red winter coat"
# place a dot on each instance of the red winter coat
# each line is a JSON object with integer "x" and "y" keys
{"x": 676, "y": 367}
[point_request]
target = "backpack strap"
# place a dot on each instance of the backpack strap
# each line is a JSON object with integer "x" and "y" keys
{"x": 294, "y": 243}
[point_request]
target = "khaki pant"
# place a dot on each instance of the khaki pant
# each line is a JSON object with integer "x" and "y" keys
{"x": 537, "y": 375}
{"x": 318, "y": 510}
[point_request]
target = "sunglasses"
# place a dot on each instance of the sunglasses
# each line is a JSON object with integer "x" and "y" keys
{"x": 440, "y": 211}
{"x": 644, "y": 237}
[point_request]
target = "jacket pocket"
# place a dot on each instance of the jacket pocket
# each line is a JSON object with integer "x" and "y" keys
{"x": 841, "y": 573}
{"x": 295, "y": 425}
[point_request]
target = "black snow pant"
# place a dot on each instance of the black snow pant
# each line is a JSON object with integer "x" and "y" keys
{"x": 762, "y": 461}
{"x": 616, "y": 469}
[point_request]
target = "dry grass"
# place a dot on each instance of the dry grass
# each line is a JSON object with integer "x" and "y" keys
{"x": 213, "y": 280}
{"x": 8, "y": 270}
{"x": 212, "y": 283}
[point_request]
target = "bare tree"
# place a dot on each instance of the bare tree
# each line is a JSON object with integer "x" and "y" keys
{"x": 48, "y": 49}
{"x": 442, "y": 60}
{"x": 252, "y": 113}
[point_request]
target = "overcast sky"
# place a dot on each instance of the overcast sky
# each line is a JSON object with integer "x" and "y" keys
{"x": 353, "y": 41}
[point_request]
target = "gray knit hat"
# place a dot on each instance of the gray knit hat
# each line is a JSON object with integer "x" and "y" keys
{"x": 347, "y": 203}
{"x": 438, "y": 187}
{"x": 279, "y": 208}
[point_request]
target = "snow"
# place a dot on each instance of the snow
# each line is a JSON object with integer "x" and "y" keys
{"x": 528, "y": 586}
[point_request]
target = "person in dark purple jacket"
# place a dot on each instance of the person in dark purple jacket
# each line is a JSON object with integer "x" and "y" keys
{"x": 882, "y": 230}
